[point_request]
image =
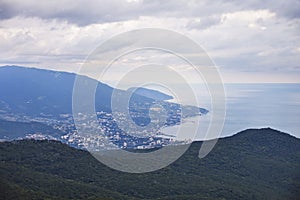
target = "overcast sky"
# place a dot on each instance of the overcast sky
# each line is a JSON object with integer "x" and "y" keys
{"x": 249, "y": 41}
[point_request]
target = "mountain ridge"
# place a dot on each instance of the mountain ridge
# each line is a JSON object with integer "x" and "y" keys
{"x": 237, "y": 168}
{"x": 150, "y": 93}
{"x": 46, "y": 96}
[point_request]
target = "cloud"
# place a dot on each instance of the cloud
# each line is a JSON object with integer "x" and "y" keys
{"x": 83, "y": 12}
{"x": 79, "y": 12}
{"x": 204, "y": 22}
{"x": 246, "y": 37}
{"x": 288, "y": 8}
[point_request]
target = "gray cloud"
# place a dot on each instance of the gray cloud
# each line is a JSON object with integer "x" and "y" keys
{"x": 204, "y": 22}
{"x": 251, "y": 36}
{"x": 288, "y": 8}
{"x": 79, "y": 12}
{"x": 83, "y": 12}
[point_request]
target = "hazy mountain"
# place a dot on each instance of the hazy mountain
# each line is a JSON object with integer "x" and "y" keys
{"x": 253, "y": 164}
{"x": 153, "y": 94}
{"x": 45, "y": 93}
{"x": 10, "y": 130}
{"x": 38, "y": 92}
{"x": 36, "y": 95}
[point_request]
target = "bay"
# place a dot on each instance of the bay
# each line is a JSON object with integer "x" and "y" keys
{"x": 248, "y": 106}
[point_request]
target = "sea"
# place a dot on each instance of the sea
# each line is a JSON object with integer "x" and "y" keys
{"x": 273, "y": 105}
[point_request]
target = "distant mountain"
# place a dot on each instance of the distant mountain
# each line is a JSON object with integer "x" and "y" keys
{"x": 153, "y": 94}
{"x": 253, "y": 164}
{"x": 10, "y": 130}
{"x": 36, "y": 95}
{"x": 42, "y": 93}
{"x": 37, "y": 92}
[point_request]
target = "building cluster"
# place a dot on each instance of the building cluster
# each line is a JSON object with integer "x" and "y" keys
{"x": 105, "y": 132}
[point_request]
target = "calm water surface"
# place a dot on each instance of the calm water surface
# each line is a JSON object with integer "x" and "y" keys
{"x": 251, "y": 106}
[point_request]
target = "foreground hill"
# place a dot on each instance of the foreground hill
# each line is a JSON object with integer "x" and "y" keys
{"x": 253, "y": 164}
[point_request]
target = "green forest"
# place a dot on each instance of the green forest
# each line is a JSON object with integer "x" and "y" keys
{"x": 253, "y": 164}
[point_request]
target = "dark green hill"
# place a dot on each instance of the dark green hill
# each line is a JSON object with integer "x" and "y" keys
{"x": 253, "y": 164}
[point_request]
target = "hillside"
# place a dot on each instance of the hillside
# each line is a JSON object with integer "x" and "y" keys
{"x": 38, "y": 92}
{"x": 12, "y": 130}
{"x": 33, "y": 95}
{"x": 45, "y": 93}
{"x": 253, "y": 164}
{"x": 153, "y": 94}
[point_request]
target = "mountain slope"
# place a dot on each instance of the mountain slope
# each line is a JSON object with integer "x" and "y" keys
{"x": 153, "y": 94}
{"x": 12, "y": 130}
{"x": 37, "y": 92}
{"x": 254, "y": 164}
{"x": 32, "y": 91}
{"x": 36, "y": 95}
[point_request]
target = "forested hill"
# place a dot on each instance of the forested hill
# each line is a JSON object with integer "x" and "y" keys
{"x": 253, "y": 164}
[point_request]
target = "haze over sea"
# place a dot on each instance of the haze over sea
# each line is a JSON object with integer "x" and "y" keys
{"x": 272, "y": 105}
